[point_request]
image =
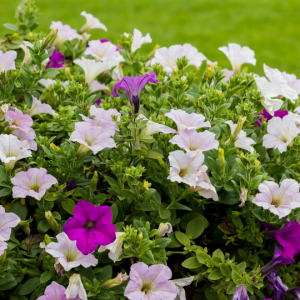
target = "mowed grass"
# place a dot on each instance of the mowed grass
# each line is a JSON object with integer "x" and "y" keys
{"x": 270, "y": 27}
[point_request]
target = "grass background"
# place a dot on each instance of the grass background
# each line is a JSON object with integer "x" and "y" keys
{"x": 270, "y": 27}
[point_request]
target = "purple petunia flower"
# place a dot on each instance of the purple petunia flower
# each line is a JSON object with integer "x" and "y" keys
{"x": 91, "y": 226}
{"x": 240, "y": 293}
{"x": 265, "y": 226}
{"x": 98, "y": 102}
{"x": 288, "y": 237}
{"x": 133, "y": 86}
{"x": 268, "y": 117}
{"x": 71, "y": 185}
{"x": 56, "y": 60}
{"x": 276, "y": 285}
{"x": 295, "y": 292}
{"x": 279, "y": 259}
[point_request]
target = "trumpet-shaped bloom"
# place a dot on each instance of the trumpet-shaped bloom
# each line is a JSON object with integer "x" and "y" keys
{"x": 268, "y": 90}
{"x": 18, "y": 120}
{"x": 278, "y": 200}
{"x": 184, "y": 120}
{"x": 275, "y": 76}
{"x": 7, "y": 61}
{"x": 292, "y": 81}
{"x": 276, "y": 285}
{"x": 101, "y": 51}
{"x": 68, "y": 254}
{"x": 56, "y": 60}
{"x": 281, "y": 132}
{"x": 92, "y": 69}
{"x": 37, "y": 107}
{"x": 27, "y": 58}
{"x": 115, "y": 248}
{"x": 29, "y": 137}
{"x": 133, "y": 86}
{"x": 268, "y": 117}
{"x": 295, "y": 292}
{"x": 279, "y": 259}
{"x": 32, "y": 183}
{"x": 153, "y": 127}
{"x": 97, "y": 86}
{"x": 65, "y": 33}
{"x": 12, "y": 150}
{"x": 191, "y": 140}
{"x": 115, "y": 281}
{"x": 242, "y": 141}
{"x": 205, "y": 188}
{"x": 238, "y": 56}
{"x": 55, "y": 291}
{"x": 92, "y": 137}
{"x": 149, "y": 283}
{"x": 75, "y": 289}
{"x": 168, "y": 57}
{"x": 91, "y": 23}
{"x": 138, "y": 39}
{"x": 186, "y": 167}
{"x": 7, "y": 221}
{"x": 90, "y": 226}
{"x": 3, "y": 247}
{"x": 180, "y": 284}
{"x": 240, "y": 293}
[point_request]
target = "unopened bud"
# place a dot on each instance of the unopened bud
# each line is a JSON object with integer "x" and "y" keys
{"x": 219, "y": 93}
{"x": 164, "y": 229}
{"x": 115, "y": 281}
{"x": 68, "y": 74}
{"x": 239, "y": 126}
{"x": 94, "y": 181}
{"x": 140, "y": 236}
{"x": 222, "y": 159}
{"x": 47, "y": 239}
{"x": 243, "y": 196}
{"x": 26, "y": 230}
{"x": 175, "y": 70}
{"x": 49, "y": 38}
{"x": 56, "y": 148}
{"x": 30, "y": 35}
{"x": 49, "y": 217}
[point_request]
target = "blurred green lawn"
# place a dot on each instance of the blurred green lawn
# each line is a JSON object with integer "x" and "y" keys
{"x": 270, "y": 27}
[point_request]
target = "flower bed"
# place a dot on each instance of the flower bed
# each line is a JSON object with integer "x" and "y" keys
{"x": 144, "y": 177}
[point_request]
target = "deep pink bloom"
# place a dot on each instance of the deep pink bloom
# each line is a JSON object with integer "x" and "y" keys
{"x": 91, "y": 226}
{"x": 276, "y": 285}
{"x": 267, "y": 116}
{"x": 56, "y": 60}
{"x": 240, "y": 293}
{"x": 279, "y": 259}
{"x": 55, "y": 291}
{"x": 133, "y": 86}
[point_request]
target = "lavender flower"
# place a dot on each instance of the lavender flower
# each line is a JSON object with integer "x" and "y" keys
{"x": 133, "y": 86}
{"x": 56, "y": 60}
{"x": 295, "y": 292}
{"x": 55, "y": 291}
{"x": 276, "y": 285}
{"x": 240, "y": 293}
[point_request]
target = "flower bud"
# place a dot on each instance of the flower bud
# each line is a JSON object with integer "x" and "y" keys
{"x": 30, "y": 35}
{"x": 56, "y": 148}
{"x": 243, "y": 196}
{"x": 164, "y": 229}
{"x": 68, "y": 74}
{"x": 49, "y": 38}
{"x": 59, "y": 268}
{"x": 75, "y": 288}
{"x": 115, "y": 281}
{"x": 239, "y": 126}
{"x": 140, "y": 237}
{"x": 222, "y": 160}
{"x": 147, "y": 184}
{"x": 47, "y": 239}
{"x": 49, "y": 217}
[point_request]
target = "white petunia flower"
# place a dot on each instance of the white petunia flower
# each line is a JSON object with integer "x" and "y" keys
{"x": 27, "y": 58}
{"x": 153, "y": 127}
{"x": 75, "y": 288}
{"x": 138, "y": 39}
{"x": 91, "y": 23}
{"x": 180, "y": 284}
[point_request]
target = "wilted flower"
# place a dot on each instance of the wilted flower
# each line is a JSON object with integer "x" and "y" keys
{"x": 281, "y": 132}
{"x": 149, "y": 283}
{"x": 27, "y": 58}
{"x": 180, "y": 284}
{"x": 228, "y": 74}
{"x": 101, "y": 51}
{"x": 3, "y": 247}
{"x": 32, "y": 183}
{"x": 68, "y": 254}
{"x": 97, "y": 86}
{"x": 276, "y": 285}
{"x": 91, "y": 137}
{"x": 75, "y": 288}
{"x": 240, "y": 293}
{"x": 7, "y": 61}
{"x": 191, "y": 140}
{"x": 278, "y": 200}
{"x": 56, "y": 60}
{"x": 117, "y": 73}
{"x": 133, "y": 86}
{"x": 184, "y": 120}
{"x": 205, "y": 188}
{"x": 268, "y": 90}
{"x": 29, "y": 137}
{"x": 153, "y": 127}
{"x": 115, "y": 248}
{"x": 164, "y": 229}
{"x": 71, "y": 185}
{"x": 242, "y": 141}
{"x": 7, "y": 221}
{"x": 186, "y": 167}
{"x": 275, "y": 76}
{"x": 90, "y": 226}
{"x": 92, "y": 69}
{"x": 115, "y": 281}
{"x": 138, "y": 39}
{"x": 12, "y": 150}
{"x": 91, "y": 23}
{"x": 292, "y": 81}
{"x": 268, "y": 117}
{"x": 243, "y": 196}
{"x": 55, "y": 291}
{"x": 238, "y": 55}
{"x": 18, "y": 120}
{"x": 37, "y": 107}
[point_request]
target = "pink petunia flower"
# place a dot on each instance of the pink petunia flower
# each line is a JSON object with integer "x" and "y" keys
{"x": 29, "y": 137}
{"x": 32, "y": 183}
{"x": 228, "y": 74}
{"x": 186, "y": 167}
{"x": 92, "y": 137}
{"x": 184, "y": 120}
{"x": 150, "y": 283}
{"x": 68, "y": 255}
{"x": 205, "y": 188}
{"x": 91, "y": 23}
{"x": 191, "y": 140}
{"x": 97, "y": 86}
{"x": 18, "y": 120}
{"x": 278, "y": 200}
{"x": 7, "y": 221}
{"x": 38, "y": 107}
{"x": 55, "y": 291}
{"x": 7, "y": 61}
{"x": 90, "y": 226}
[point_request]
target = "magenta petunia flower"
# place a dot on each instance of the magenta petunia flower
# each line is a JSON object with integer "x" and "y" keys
{"x": 267, "y": 116}
{"x": 91, "y": 226}
{"x": 18, "y": 120}
{"x": 149, "y": 283}
{"x": 55, "y": 291}
{"x": 276, "y": 285}
{"x": 56, "y": 60}
{"x": 133, "y": 86}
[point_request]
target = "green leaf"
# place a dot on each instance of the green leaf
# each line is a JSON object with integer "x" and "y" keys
{"x": 28, "y": 99}
{"x": 191, "y": 263}
{"x": 242, "y": 266}
{"x": 196, "y": 227}
{"x": 164, "y": 213}
{"x": 5, "y": 192}
{"x": 215, "y": 275}
{"x": 178, "y": 206}
{"x": 113, "y": 183}
{"x": 114, "y": 211}
{"x": 224, "y": 269}
{"x": 163, "y": 242}
{"x": 68, "y": 205}
{"x": 221, "y": 109}
{"x": 11, "y": 26}
{"x": 182, "y": 238}
{"x": 210, "y": 294}
{"x": 218, "y": 253}
{"x": 19, "y": 209}
{"x": 235, "y": 276}
{"x": 148, "y": 258}
{"x": 43, "y": 226}
{"x": 154, "y": 153}
{"x": 202, "y": 257}
{"x": 146, "y": 138}
{"x": 46, "y": 276}
{"x": 174, "y": 243}
{"x": 7, "y": 278}
{"x": 29, "y": 286}
{"x": 276, "y": 169}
